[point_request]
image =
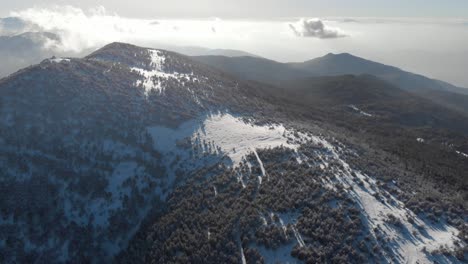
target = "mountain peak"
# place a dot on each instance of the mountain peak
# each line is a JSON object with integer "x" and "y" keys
{"x": 343, "y": 55}
{"x": 331, "y": 54}
{"x": 123, "y": 53}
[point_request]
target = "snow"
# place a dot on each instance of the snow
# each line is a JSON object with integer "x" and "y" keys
{"x": 261, "y": 166}
{"x": 285, "y": 230}
{"x": 229, "y": 134}
{"x": 298, "y": 237}
{"x": 122, "y": 172}
{"x": 360, "y": 111}
{"x": 241, "y": 180}
{"x": 462, "y": 154}
{"x": 157, "y": 59}
{"x": 212, "y": 138}
{"x": 154, "y": 79}
{"x": 241, "y": 249}
{"x": 291, "y": 220}
{"x": 237, "y": 138}
{"x": 59, "y": 60}
{"x": 408, "y": 240}
{"x": 281, "y": 254}
{"x": 118, "y": 149}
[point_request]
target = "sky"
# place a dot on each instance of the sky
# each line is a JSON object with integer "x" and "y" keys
{"x": 428, "y": 37}
{"x": 260, "y": 8}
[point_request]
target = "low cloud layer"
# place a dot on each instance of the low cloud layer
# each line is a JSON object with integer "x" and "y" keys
{"x": 315, "y": 28}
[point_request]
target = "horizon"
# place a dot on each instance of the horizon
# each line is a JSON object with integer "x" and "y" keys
{"x": 435, "y": 47}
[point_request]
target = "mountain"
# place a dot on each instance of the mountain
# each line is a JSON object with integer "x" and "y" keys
{"x": 372, "y": 97}
{"x": 77, "y": 139}
{"x": 274, "y": 73}
{"x": 254, "y": 68}
{"x": 10, "y": 26}
{"x": 137, "y": 155}
{"x": 25, "y": 49}
{"x": 23, "y": 44}
{"x": 435, "y": 90}
{"x": 201, "y": 51}
{"x": 345, "y": 63}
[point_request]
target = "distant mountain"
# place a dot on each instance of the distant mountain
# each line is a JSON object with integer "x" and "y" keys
{"x": 254, "y": 68}
{"x": 371, "y": 97}
{"x": 141, "y": 155}
{"x": 274, "y": 73}
{"x": 200, "y": 51}
{"x": 345, "y": 63}
{"x": 25, "y": 49}
{"x": 26, "y": 41}
{"x": 14, "y": 26}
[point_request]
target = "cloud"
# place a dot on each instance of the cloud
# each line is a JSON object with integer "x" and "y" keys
{"x": 89, "y": 29}
{"x": 315, "y": 28}
{"x": 15, "y": 26}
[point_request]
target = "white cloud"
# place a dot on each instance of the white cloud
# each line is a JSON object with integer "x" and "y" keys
{"x": 315, "y": 28}
{"x": 86, "y": 29}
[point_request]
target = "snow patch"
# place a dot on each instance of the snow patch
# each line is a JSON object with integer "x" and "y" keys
{"x": 59, "y": 60}
{"x": 462, "y": 154}
{"x": 360, "y": 111}
{"x": 298, "y": 236}
{"x": 154, "y": 79}
{"x": 223, "y": 133}
{"x": 237, "y": 138}
{"x": 261, "y": 166}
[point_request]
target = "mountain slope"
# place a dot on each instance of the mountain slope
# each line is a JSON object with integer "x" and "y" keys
{"x": 372, "y": 97}
{"x": 253, "y": 68}
{"x": 435, "y": 90}
{"x": 345, "y": 63}
{"x": 86, "y": 139}
{"x": 200, "y": 51}
{"x": 275, "y": 73}
{"x": 140, "y": 155}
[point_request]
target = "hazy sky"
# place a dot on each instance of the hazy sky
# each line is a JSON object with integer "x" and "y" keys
{"x": 429, "y": 37}
{"x": 261, "y": 8}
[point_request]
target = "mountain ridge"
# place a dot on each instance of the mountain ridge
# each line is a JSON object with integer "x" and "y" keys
{"x": 144, "y": 155}
{"x": 275, "y": 73}
{"x": 346, "y": 63}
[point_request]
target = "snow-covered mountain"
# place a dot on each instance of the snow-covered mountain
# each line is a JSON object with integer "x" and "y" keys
{"x": 140, "y": 155}
{"x": 89, "y": 141}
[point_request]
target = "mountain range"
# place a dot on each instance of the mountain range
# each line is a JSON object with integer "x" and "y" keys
{"x": 142, "y": 155}
{"x": 23, "y": 43}
{"x": 263, "y": 70}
